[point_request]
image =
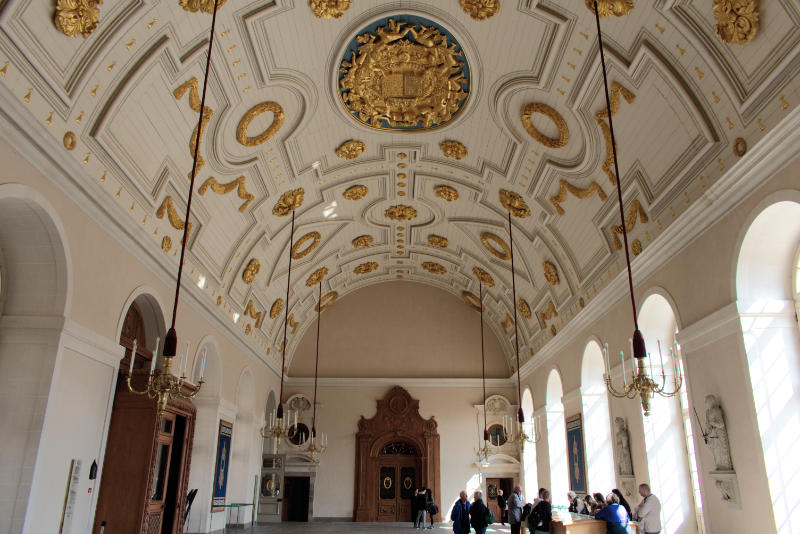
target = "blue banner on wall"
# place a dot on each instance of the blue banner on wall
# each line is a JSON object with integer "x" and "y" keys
{"x": 575, "y": 453}
{"x": 221, "y": 468}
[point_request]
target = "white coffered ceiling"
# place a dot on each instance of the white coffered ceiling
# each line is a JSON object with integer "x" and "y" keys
{"x": 686, "y": 97}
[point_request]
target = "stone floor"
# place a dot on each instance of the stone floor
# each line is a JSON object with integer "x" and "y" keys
{"x": 321, "y": 527}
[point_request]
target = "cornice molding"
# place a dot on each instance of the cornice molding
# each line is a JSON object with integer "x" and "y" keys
{"x": 775, "y": 150}
{"x": 713, "y": 327}
{"x": 440, "y": 383}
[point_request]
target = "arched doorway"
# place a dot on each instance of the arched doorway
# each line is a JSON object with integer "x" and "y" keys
{"x": 146, "y": 465}
{"x": 396, "y": 451}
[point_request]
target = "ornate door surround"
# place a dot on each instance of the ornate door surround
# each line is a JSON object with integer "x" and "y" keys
{"x": 397, "y": 419}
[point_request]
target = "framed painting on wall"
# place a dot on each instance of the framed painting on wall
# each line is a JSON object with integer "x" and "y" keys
{"x": 575, "y": 454}
{"x": 221, "y": 467}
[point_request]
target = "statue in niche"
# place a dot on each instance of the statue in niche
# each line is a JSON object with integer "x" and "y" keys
{"x": 623, "y": 447}
{"x": 716, "y": 435}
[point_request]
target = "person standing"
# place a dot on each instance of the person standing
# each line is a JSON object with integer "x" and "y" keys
{"x": 541, "y": 515}
{"x": 502, "y": 504}
{"x": 622, "y": 501}
{"x": 648, "y": 512}
{"x": 420, "y": 503}
{"x": 615, "y": 515}
{"x": 430, "y": 506}
{"x": 460, "y": 514}
{"x": 576, "y": 506}
{"x": 477, "y": 514}
{"x": 515, "y": 504}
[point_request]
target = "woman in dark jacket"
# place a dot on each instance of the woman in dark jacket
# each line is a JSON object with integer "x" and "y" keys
{"x": 431, "y": 507}
{"x": 622, "y": 501}
{"x": 541, "y": 515}
{"x": 477, "y": 514}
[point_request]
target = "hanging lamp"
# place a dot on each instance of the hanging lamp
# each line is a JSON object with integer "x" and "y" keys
{"x": 641, "y": 384}
{"x": 317, "y": 447}
{"x": 483, "y": 452}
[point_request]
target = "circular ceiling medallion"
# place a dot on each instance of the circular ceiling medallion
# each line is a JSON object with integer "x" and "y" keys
{"x": 471, "y": 300}
{"x": 314, "y": 237}
{"x": 504, "y": 252}
{"x": 404, "y": 73}
{"x": 514, "y": 203}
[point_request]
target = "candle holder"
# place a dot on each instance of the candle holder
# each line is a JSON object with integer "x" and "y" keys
{"x": 515, "y": 432}
{"x": 316, "y": 447}
{"x": 280, "y": 427}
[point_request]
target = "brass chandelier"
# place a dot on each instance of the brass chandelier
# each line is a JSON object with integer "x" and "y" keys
{"x": 641, "y": 384}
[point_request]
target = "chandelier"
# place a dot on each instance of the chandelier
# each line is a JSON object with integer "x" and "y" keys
{"x": 315, "y": 446}
{"x": 642, "y": 384}
{"x": 162, "y": 385}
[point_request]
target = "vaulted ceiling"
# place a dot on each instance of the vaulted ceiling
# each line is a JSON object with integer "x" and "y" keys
{"x": 402, "y": 144}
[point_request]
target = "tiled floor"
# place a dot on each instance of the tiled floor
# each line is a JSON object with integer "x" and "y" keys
{"x": 337, "y": 527}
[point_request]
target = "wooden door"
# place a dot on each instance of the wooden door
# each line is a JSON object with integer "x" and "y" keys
{"x": 492, "y": 485}
{"x": 397, "y": 479}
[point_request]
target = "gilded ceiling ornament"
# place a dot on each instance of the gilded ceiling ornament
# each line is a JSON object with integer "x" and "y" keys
{"x": 224, "y": 189}
{"x": 351, "y": 149}
{"x": 70, "y": 141}
{"x": 251, "y": 311}
{"x": 607, "y": 8}
{"x": 484, "y": 277}
{"x": 250, "y": 272}
{"x": 251, "y": 114}
{"x": 737, "y": 20}
{"x": 480, "y": 9}
{"x": 471, "y": 300}
{"x": 362, "y": 241}
{"x": 400, "y": 213}
{"x": 503, "y": 253}
{"x": 438, "y": 241}
{"x": 636, "y": 212}
{"x": 356, "y": 192}
{"x": 508, "y": 323}
{"x": 329, "y": 9}
{"x": 168, "y": 206}
{"x": 276, "y": 308}
{"x": 551, "y": 273}
{"x": 446, "y": 192}
{"x": 581, "y": 302}
{"x": 206, "y": 6}
{"x": 433, "y": 267}
{"x": 166, "y": 243}
{"x": 292, "y": 323}
{"x": 553, "y": 329}
{"x": 453, "y": 149}
{"x": 564, "y": 187}
{"x": 548, "y": 314}
{"x": 514, "y": 203}
{"x": 191, "y": 85}
{"x": 314, "y": 237}
{"x": 407, "y": 75}
{"x": 524, "y": 308}
{"x": 365, "y": 268}
{"x": 739, "y": 146}
{"x": 248, "y": 329}
{"x": 636, "y": 247}
{"x": 289, "y": 201}
{"x": 317, "y": 276}
{"x": 326, "y": 301}
{"x": 601, "y": 116}
{"x": 75, "y": 17}
{"x": 553, "y": 115}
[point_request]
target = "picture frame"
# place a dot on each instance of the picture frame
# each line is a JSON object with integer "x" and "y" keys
{"x": 221, "y": 466}
{"x": 576, "y": 454}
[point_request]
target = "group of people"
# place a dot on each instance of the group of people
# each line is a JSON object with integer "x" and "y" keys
{"x": 423, "y": 504}
{"x": 614, "y": 509}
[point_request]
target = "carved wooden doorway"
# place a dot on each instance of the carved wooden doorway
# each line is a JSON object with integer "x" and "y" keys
{"x": 397, "y": 451}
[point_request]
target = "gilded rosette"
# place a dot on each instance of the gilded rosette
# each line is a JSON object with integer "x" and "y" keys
{"x": 606, "y": 8}
{"x": 551, "y": 273}
{"x": 75, "y": 17}
{"x": 400, "y": 213}
{"x": 351, "y": 149}
{"x": 362, "y": 241}
{"x": 289, "y": 201}
{"x": 438, "y": 241}
{"x": 276, "y": 308}
{"x": 514, "y": 203}
{"x": 737, "y": 20}
{"x": 206, "y": 6}
{"x": 365, "y": 268}
{"x": 329, "y": 9}
{"x": 433, "y": 267}
{"x": 484, "y": 277}
{"x": 250, "y": 272}
{"x": 480, "y": 9}
{"x": 445, "y": 192}
{"x": 356, "y": 192}
{"x": 524, "y": 308}
{"x": 453, "y": 149}
{"x": 317, "y": 276}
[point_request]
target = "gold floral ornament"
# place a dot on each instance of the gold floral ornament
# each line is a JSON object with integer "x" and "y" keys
{"x": 250, "y": 272}
{"x": 438, "y": 241}
{"x": 289, "y": 201}
{"x": 362, "y": 241}
{"x": 636, "y": 247}
{"x": 524, "y": 308}
{"x": 166, "y": 243}
{"x": 635, "y": 213}
{"x": 484, "y": 277}
{"x": 327, "y": 300}
{"x": 276, "y": 308}
{"x": 453, "y": 149}
{"x": 329, "y": 9}
{"x": 553, "y": 115}
{"x": 405, "y": 75}
{"x": 317, "y": 276}
{"x": 206, "y": 6}
{"x": 564, "y": 187}
{"x": 299, "y": 252}
{"x": 480, "y": 9}
{"x": 548, "y": 314}
{"x": 244, "y": 123}
{"x": 514, "y": 203}
{"x": 446, "y": 192}
{"x": 351, "y": 149}
{"x": 551, "y": 273}
{"x": 607, "y": 8}
{"x": 737, "y": 20}
{"x": 75, "y": 17}
{"x": 356, "y": 192}
{"x": 365, "y": 268}
{"x": 503, "y": 253}
{"x": 433, "y": 267}
{"x": 400, "y": 213}
{"x": 472, "y": 301}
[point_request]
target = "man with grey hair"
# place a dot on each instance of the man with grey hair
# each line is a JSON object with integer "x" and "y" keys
{"x": 576, "y": 505}
{"x": 478, "y": 513}
{"x": 515, "y": 504}
{"x": 460, "y": 514}
{"x": 648, "y": 513}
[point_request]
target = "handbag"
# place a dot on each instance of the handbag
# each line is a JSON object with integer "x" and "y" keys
{"x": 489, "y": 518}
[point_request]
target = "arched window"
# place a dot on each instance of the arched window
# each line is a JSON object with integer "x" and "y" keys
{"x": 767, "y": 268}
{"x": 556, "y": 440}
{"x": 529, "y": 452}
{"x": 671, "y": 461}
{"x": 597, "y": 422}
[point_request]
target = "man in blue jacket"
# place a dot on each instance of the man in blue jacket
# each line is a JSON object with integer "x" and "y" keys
{"x": 460, "y": 514}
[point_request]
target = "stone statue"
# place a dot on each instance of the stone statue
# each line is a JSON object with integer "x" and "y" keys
{"x": 623, "y": 448}
{"x": 717, "y": 435}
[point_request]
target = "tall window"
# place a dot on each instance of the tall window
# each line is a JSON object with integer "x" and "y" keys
{"x": 665, "y": 437}
{"x": 556, "y": 440}
{"x": 529, "y": 452}
{"x": 766, "y": 270}
{"x": 596, "y": 421}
